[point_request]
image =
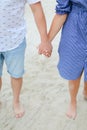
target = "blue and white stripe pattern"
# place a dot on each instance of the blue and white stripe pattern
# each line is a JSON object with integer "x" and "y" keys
{"x": 73, "y": 44}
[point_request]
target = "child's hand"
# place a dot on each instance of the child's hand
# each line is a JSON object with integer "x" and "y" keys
{"x": 45, "y": 49}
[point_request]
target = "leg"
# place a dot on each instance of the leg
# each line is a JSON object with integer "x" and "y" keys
{"x": 16, "y": 87}
{"x": 85, "y": 90}
{"x": 0, "y": 87}
{"x": 15, "y": 66}
{"x": 0, "y": 83}
{"x": 1, "y": 68}
{"x": 73, "y": 89}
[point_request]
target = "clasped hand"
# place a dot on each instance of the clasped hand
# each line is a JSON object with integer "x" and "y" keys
{"x": 45, "y": 48}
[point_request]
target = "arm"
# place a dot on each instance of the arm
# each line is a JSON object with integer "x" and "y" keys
{"x": 41, "y": 25}
{"x": 56, "y": 25}
{"x": 40, "y": 20}
{"x": 63, "y": 7}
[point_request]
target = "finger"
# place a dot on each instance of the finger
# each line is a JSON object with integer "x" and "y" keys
{"x": 47, "y": 51}
{"x": 39, "y": 52}
{"x": 47, "y": 54}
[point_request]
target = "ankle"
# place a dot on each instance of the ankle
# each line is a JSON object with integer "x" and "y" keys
{"x": 73, "y": 102}
{"x": 15, "y": 102}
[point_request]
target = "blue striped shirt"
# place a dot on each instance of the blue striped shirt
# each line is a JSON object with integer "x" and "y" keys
{"x": 64, "y": 6}
{"x": 73, "y": 43}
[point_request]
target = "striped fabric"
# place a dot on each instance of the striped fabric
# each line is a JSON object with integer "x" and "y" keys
{"x": 64, "y": 6}
{"x": 73, "y": 44}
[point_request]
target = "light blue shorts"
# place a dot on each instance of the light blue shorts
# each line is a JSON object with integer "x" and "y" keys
{"x": 14, "y": 60}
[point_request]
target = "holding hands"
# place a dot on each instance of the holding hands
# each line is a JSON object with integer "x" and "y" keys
{"x": 45, "y": 48}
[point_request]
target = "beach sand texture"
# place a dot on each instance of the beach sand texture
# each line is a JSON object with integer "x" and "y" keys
{"x": 44, "y": 93}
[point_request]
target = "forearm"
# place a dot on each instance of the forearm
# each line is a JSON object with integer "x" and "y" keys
{"x": 40, "y": 20}
{"x": 56, "y": 25}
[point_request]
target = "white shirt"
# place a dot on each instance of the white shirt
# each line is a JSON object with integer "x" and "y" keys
{"x": 12, "y": 24}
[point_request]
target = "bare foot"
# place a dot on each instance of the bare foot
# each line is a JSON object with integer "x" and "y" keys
{"x": 71, "y": 113}
{"x": 18, "y": 110}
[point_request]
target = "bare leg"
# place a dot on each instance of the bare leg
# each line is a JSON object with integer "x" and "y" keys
{"x": 73, "y": 89}
{"x": 0, "y": 83}
{"x": 85, "y": 90}
{"x": 16, "y": 86}
{"x": 0, "y": 86}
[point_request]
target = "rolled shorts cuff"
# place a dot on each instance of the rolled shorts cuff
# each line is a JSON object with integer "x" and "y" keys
{"x": 16, "y": 75}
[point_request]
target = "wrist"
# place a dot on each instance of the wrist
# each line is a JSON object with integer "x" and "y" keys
{"x": 44, "y": 40}
{"x": 49, "y": 38}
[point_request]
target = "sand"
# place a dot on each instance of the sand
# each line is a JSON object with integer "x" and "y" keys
{"x": 44, "y": 93}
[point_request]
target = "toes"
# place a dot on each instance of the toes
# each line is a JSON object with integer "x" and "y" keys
{"x": 71, "y": 116}
{"x": 19, "y": 115}
{"x": 68, "y": 115}
{"x": 18, "y": 110}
